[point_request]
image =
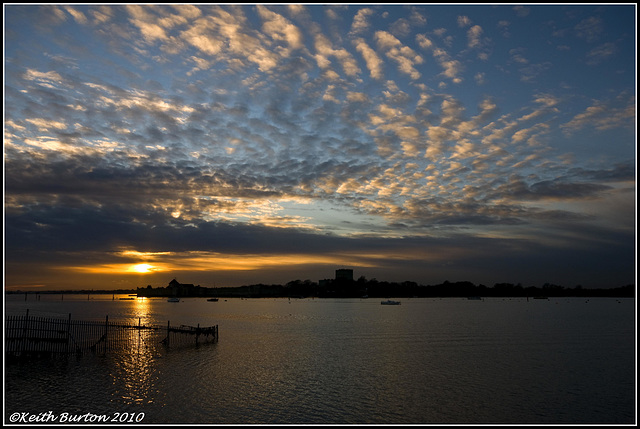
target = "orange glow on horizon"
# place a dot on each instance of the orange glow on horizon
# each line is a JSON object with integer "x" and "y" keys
{"x": 120, "y": 269}
{"x": 206, "y": 261}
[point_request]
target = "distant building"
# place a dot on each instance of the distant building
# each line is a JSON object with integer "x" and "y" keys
{"x": 174, "y": 288}
{"x": 344, "y": 274}
{"x": 182, "y": 289}
{"x": 176, "y": 283}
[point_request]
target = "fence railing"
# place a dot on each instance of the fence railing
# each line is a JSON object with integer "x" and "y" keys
{"x": 34, "y": 335}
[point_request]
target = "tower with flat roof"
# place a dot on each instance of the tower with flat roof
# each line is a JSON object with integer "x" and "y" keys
{"x": 344, "y": 274}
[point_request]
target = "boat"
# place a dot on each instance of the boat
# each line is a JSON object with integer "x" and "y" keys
{"x": 390, "y": 302}
{"x": 173, "y": 300}
{"x": 127, "y": 299}
{"x": 474, "y": 298}
{"x": 213, "y": 299}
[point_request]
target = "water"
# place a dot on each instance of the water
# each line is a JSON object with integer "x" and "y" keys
{"x": 347, "y": 361}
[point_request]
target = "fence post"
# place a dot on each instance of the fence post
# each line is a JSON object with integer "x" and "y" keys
{"x": 69, "y": 333}
{"x": 106, "y": 331}
{"x": 25, "y": 327}
{"x": 168, "y": 327}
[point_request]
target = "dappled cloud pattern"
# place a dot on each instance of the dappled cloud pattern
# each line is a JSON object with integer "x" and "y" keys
{"x": 234, "y": 137}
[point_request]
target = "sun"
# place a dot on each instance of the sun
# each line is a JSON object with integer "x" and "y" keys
{"x": 142, "y": 268}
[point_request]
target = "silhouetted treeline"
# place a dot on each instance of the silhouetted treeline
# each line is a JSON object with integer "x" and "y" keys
{"x": 341, "y": 288}
{"x": 373, "y": 288}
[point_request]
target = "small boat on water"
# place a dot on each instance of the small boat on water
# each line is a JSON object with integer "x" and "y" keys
{"x": 173, "y": 300}
{"x": 390, "y": 302}
{"x": 213, "y": 300}
{"x": 127, "y": 299}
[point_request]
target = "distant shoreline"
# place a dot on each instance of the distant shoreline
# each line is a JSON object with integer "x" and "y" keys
{"x": 359, "y": 290}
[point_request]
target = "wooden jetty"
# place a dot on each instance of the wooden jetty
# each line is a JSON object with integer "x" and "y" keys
{"x": 27, "y": 335}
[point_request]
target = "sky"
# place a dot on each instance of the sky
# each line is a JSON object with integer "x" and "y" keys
{"x": 227, "y": 145}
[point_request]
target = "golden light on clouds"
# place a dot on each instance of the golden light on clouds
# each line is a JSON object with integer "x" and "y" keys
{"x": 120, "y": 268}
{"x": 210, "y": 261}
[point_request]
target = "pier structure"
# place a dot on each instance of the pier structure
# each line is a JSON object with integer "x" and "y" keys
{"x": 27, "y": 335}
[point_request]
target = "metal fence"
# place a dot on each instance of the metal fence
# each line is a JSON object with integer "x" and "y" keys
{"x": 27, "y": 335}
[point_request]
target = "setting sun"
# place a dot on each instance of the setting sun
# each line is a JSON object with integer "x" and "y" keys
{"x": 142, "y": 268}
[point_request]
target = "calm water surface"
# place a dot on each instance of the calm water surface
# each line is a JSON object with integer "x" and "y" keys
{"x": 347, "y": 361}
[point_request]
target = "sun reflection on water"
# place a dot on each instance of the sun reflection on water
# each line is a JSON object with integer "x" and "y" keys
{"x": 142, "y": 312}
{"x": 135, "y": 376}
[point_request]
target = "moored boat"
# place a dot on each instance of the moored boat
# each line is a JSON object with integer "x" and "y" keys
{"x": 390, "y": 302}
{"x": 173, "y": 300}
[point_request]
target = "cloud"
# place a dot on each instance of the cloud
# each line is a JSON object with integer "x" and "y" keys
{"x": 279, "y": 28}
{"x": 201, "y": 36}
{"x": 213, "y": 133}
{"x": 474, "y": 36}
{"x": 589, "y": 29}
{"x": 522, "y": 11}
{"x": 530, "y": 73}
{"x": 77, "y": 15}
{"x": 374, "y": 63}
{"x": 463, "y": 21}
{"x": 601, "y": 53}
{"x": 324, "y": 50}
{"x": 553, "y": 190}
{"x": 604, "y": 115}
{"x": 44, "y": 125}
{"x": 400, "y": 28}
{"x": 452, "y": 68}
{"x": 403, "y": 55}
{"x": 48, "y": 79}
{"x": 101, "y": 15}
{"x": 150, "y": 31}
{"x": 360, "y": 22}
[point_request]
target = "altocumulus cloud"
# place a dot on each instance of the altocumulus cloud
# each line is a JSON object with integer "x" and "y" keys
{"x": 253, "y": 143}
